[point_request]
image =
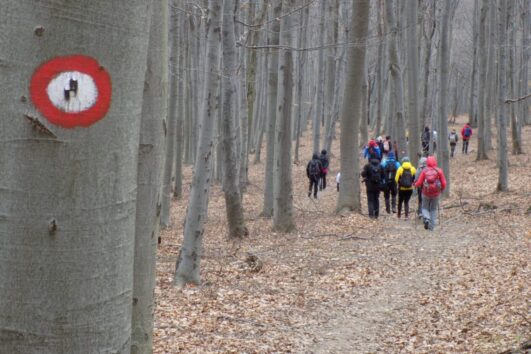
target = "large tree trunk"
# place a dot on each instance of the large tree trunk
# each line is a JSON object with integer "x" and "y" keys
{"x": 319, "y": 105}
{"x": 503, "y": 162}
{"x": 150, "y": 161}
{"x": 381, "y": 66}
{"x": 231, "y": 181}
{"x": 525, "y": 13}
{"x": 429, "y": 32}
{"x": 188, "y": 262}
{"x": 68, "y": 196}
{"x": 483, "y": 118}
{"x": 271, "y": 111}
{"x": 472, "y": 116}
{"x": 516, "y": 121}
{"x": 349, "y": 193}
{"x": 412, "y": 58}
{"x": 491, "y": 76}
{"x": 397, "y": 86}
{"x": 283, "y": 207}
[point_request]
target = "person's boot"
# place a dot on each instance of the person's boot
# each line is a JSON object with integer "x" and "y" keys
{"x": 399, "y": 212}
{"x": 426, "y": 224}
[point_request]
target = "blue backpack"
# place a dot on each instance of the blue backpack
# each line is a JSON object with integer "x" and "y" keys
{"x": 468, "y": 132}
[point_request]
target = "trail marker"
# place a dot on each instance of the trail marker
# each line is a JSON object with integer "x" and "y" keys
{"x": 71, "y": 91}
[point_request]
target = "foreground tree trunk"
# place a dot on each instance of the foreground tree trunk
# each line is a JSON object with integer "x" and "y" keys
{"x": 349, "y": 193}
{"x": 283, "y": 207}
{"x": 412, "y": 58}
{"x": 188, "y": 262}
{"x": 482, "y": 119}
{"x": 68, "y": 196}
{"x": 150, "y": 161}
{"x": 502, "y": 94}
{"x": 231, "y": 181}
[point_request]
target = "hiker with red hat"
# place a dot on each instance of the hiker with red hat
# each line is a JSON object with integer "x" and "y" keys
{"x": 372, "y": 151}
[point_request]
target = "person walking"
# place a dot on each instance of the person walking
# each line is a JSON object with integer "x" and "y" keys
{"x": 466, "y": 134}
{"x": 422, "y": 166}
{"x": 425, "y": 140}
{"x": 374, "y": 178}
{"x": 390, "y": 167}
{"x": 324, "y": 169}
{"x": 313, "y": 172}
{"x": 404, "y": 178}
{"x": 372, "y": 151}
{"x": 433, "y": 182}
{"x": 453, "y": 138}
{"x": 338, "y": 180}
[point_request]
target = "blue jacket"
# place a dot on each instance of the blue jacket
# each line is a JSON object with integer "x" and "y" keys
{"x": 366, "y": 152}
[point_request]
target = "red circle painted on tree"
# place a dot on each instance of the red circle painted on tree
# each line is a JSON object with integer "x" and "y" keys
{"x": 78, "y": 63}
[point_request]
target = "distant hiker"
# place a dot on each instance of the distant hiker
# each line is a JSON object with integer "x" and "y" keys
{"x": 453, "y": 138}
{"x": 374, "y": 178}
{"x": 434, "y": 139}
{"x": 422, "y": 166}
{"x": 324, "y": 169}
{"x": 338, "y": 180}
{"x": 372, "y": 151}
{"x": 390, "y": 167}
{"x": 313, "y": 171}
{"x": 405, "y": 177}
{"x": 425, "y": 139}
{"x": 387, "y": 146}
{"x": 466, "y": 134}
{"x": 433, "y": 182}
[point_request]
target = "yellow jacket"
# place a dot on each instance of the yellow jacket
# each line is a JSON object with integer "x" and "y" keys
{"x": 406, "y": 166}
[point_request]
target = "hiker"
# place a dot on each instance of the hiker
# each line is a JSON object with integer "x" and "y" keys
{"x": 453, "y": 138}
{"x": 404, "y": 178}
{"x": 324, "y": 169}
{"x": 313, "y": 171}
{"x": 425, "y": 139}
{"x": 390, "y": 167}
{"x": 374, "y": 178}
{"x": 387, "y": 146}
{"x": 338, "y": 179}
{"x": 372, "y": 151}
{"x": 433, "y": 182}
{"x": 422, "y": 166}
{"x": 466, "y": 134}
{"x": 434, "y": 138}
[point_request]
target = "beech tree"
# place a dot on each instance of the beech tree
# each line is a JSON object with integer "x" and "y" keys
{"x": 501, "y": 115}
{"x": 69, "y": 175}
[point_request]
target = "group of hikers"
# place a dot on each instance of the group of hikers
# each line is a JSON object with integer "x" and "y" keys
{"x": 385, "y": 173}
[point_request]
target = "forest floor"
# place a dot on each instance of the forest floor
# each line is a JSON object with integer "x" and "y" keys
{"x": 348, "y": 284}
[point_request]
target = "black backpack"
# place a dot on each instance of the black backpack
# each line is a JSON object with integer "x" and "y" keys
{"x": 390, "y": 171}
{"x": 324, "y": 160}
{"x": 406, "y": 179}
{"x": 314, "y": 168}
{"x": 375, "y": 177}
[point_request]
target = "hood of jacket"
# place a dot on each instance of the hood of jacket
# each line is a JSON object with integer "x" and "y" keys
{"x": 431, "y": 161}
{"x": 406, "y": 165}
{"x": 315, "y": 157}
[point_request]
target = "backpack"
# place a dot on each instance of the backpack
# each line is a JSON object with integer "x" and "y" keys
{"x": 468, "y": 132}
{"x": 373, "y": 154}
{"x": 324, "y": 161}
{"x": 386, "y": 146}
{"x": 390, "y": 170}
{"x": 406, "y": 179}
{"x": 432, "y": 183}
{"x": 453, "y": 138}
{"x": 375, "y": 177}
{"x": 425, "y": 137}
{"x": 314, "y": 168}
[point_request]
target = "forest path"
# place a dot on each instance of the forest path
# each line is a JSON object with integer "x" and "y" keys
{"x": 376, "y": 311}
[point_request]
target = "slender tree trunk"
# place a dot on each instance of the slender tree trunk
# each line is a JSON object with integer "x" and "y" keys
{"x": 231, "y": 182}
{"x": 283, "y": 207}
{"x": 381, "y": 65}
{"x": 472, "y": 116}
{"x": 524, "y": 105}
{"x": 516, "y": 122}
{"x": 429, "y": 32}
{"x": 188, "y": 262}
{"x": 150, "y": 163}
{"x": 482, "y": 84}
{"x": 68, "y": 196}
{"x": 503, "y": 162}
{"x": 271, "y": 111}
{"x": 491, "y": 76}
{"x": 412, "y": 58}
{"x": 349, "y": 193}
{"x": 320, "y": 99}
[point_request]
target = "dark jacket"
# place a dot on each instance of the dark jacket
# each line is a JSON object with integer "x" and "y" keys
{"x": 368, "y": 172}
{"x": 324, "y": 159}
{"x": 315, "y": 158}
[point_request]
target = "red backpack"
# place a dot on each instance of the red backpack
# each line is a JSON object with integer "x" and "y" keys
{"x": 432, "y": 182}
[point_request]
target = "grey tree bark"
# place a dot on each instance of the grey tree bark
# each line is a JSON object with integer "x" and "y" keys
{"x": 67, "y": 212}
{"x": 271, "y": 111}
{"x": 149, "y": 180}
{"x": 472, "y": 116}
{"x": 397, "y": 85}
{"x": 516, "y": 121}
{"x": 491, "y": 76}
{"x": 188, "y": 262}
{"x": 412, "y": 72}
{"x": 182, "y": 104}
{"x": 503, "y": 162}
{"x": 319, "y": 105}
{"x": 525, "y": 13}
{"x": 349, "y": 193}
{"x": 483, "y": 120}
{"x": 231, "y": 181}
{"x": 283, "y": 188}
{"x": 428, "y": 34}
{"x": 381, "y": 65}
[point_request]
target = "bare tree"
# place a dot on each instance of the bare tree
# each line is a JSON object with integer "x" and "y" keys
{"x": 412, "y": 58}
{"x": 349, "y": 193}
{"x": 483, "y": 119}
{"x": 503, "y": 163}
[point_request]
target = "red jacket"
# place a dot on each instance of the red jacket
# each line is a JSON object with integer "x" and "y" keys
{"x": 463, "y": 132}
{"x": 431, "y": 163}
